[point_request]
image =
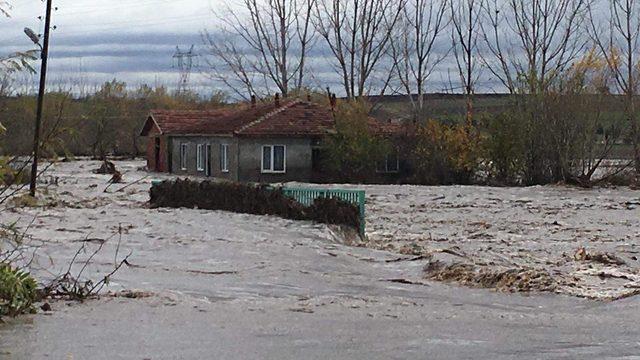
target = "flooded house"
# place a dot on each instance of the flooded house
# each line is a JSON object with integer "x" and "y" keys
{"x": 268, "y": 142}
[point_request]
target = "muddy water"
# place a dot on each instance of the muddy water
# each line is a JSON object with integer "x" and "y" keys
{"x": 232, "y": 286}
{"x": 586, "y": 241}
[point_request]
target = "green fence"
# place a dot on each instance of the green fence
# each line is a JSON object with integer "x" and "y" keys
{"x": 306, "y": 196}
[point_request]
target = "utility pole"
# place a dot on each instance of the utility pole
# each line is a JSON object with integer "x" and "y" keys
{"x": 41, "y": 91}
{"x": 184, "y": 63}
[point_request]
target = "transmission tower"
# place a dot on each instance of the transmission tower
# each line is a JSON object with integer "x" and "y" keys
{"x": 184, "y": 62}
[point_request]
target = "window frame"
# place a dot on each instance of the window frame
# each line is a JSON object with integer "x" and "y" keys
{"x": 200, "y": 159}
{"x": 184, "y": 151}
{"x": 386, "y": 162}
{"x": 224, "y": 158}
{"x": 271, "y": 170}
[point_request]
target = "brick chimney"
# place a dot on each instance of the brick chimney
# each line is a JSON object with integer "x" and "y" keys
{"x": 277, "y": 100}
{"x": 253, "y": 101}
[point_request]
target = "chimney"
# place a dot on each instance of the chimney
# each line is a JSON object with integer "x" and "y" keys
{"x": 333, "y": 100}
{"x": 277, "y": 100}
{"x": 253, "y": 101}
{"x": 308, "y": 97}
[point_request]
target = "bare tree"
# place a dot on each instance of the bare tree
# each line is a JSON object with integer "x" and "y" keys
{"x": 268, "y": 44}
{"x": 414, "y": 54}
{"x": 616, "y": 33}
{"x": 532, "y": 41}
{"x": 358, "y": 33}
{"x": 529, "y": 45}
{"x": 465, "y": 17}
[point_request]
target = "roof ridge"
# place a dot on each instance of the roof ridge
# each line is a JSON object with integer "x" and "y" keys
{"x": 267, "y": 115}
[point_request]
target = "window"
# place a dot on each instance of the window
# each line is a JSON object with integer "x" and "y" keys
{"x": 200, "y": 157}
{"x": 183, "y": 156}
{"x": 224, "y": 157}
{"x": 390, "y": 164}
{"x": 274, "y": 159}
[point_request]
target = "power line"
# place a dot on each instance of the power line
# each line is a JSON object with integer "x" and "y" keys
{"x": 184, "y": 63}
{"x": 93, "y": 10}
{"x": 129, "y": 24}
{"x": 125, "y": 25}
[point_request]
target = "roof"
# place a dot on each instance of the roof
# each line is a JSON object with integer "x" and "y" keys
{"x": 387, "y": 128}
{"x": 293, "y": 118}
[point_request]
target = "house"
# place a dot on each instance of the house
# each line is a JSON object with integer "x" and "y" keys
{"x": 271, "y": 142}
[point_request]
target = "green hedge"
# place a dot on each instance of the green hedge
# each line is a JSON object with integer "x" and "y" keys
{"x": 250, "y": 199}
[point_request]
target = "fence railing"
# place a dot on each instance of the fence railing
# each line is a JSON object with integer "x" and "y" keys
{"x": 306, "y": 196}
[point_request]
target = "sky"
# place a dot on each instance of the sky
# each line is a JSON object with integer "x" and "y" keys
{"x": 134, "y": 41}
{"x": 96, "y": 41}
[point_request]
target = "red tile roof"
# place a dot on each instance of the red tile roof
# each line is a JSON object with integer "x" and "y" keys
{"x": 296, "y": 118}
{"x": 292, "y": 119}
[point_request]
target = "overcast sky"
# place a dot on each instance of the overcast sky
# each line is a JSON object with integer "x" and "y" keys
{"x": 96, "y": 41}
{"x": 133, "y": 41}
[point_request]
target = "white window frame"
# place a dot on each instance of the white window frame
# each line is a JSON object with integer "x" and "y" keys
{"x": 184, "y": 151}
{"x": 200, "y": 160}
{"x": 224, "y": 158}
{"x": 386, "y": 164}
{"x": 270, "y": 169}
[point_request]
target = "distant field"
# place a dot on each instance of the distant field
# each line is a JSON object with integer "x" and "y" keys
{"x": 451, "y": 107}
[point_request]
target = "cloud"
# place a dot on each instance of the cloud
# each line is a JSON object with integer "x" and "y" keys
{"x": 134, "y": 41}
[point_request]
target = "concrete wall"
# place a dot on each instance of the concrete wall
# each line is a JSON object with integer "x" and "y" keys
{"x": 298, "y": 160}
{"x": 245, "y": 158}
{"x": 215, "y": 141}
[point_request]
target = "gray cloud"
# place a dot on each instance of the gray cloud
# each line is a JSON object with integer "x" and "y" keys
{"x": 134, "y": 42}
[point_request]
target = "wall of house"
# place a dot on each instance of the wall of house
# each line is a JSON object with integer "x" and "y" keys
{"x": 192, "y": 146}
{"x": 163, "y": 164}
{"x": 298, "y": 160}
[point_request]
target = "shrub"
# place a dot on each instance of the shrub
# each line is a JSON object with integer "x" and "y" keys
{"x": 249, "y": 199}
{"x": 17, "y": 291}
{"x": 352, "y": 152}
{"x": 227, "y": 196}
{"x": 444, "y": 154}
{"x": 14, "y": 171}
{"x": 334, "y": 211}
{"x": 504, "y": 148}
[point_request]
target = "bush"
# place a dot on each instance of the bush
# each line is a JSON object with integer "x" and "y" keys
{"x": 225, "y": 196}
{"x": 17, "y": 291}
{"x": 504, "y": 148}
{"x": 444, "y": 154}
{"x": 352, "y": 152}
{"x": 334, "y": 211}
{"x": 16, "y": 172}
{"x": 249, "y": 199}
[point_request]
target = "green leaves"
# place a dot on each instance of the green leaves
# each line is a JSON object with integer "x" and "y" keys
{"x": 17, "y": 291}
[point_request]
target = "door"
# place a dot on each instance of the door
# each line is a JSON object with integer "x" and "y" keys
{"x": 156, "y": 152}
{"x": 207, "y": 163}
